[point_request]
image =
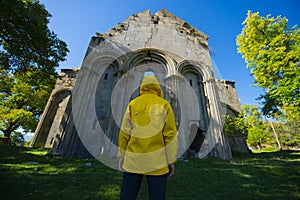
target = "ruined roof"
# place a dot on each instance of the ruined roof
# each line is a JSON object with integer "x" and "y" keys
{"x": 163, "y": 12}
{"x": 161, "y": 16}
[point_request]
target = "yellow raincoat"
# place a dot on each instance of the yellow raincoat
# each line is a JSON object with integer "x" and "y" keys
{"x": 148, "y": 135}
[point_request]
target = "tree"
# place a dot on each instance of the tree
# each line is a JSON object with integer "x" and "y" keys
{"x": 29, "y": 54}
{"x": 18, "y": 138}
{"x": 25, "y": 40}
{"x": 288, "y": 130}
{"x": 272, "y": 52}
{"x": 258, "y": 132}
{"x": 24, "y": 99}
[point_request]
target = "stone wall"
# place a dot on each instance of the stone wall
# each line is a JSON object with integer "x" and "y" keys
{"x": 86, "y": 122}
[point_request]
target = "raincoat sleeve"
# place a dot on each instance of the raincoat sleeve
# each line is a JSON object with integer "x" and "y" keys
{"x": 124, "y": 134}
{"x": 170, "y": 136}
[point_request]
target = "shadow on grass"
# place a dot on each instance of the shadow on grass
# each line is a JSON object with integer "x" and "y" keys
{"x": 34, "y": 174}
{"x": 256, "y": 176}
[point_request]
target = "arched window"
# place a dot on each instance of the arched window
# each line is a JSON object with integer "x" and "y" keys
{"x": 194, "y": 76}
{"x": 106, "y": 76}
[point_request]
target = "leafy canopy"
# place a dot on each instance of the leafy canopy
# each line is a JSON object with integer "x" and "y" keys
{"x": 272, "y": 52}
{"x": 25, "y": 40}
{"x": 24, "y": 99}
{"x": 29, "y": 54}
{"x": 257, "y": 128}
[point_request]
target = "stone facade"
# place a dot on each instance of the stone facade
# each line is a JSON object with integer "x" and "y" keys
{"x": 84, "y": 112}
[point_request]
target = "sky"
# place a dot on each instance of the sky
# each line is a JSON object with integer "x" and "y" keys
{"x": 76, "y": 21}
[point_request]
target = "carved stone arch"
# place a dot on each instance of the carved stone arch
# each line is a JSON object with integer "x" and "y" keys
{"x": 146, "y": 56}
{"x": 196, "y": 67}
{"x": 194, "y": 75}
{"x": 215, "y": 138}
{"x": 110, "y": 72}
{"x": 99, "y": 61}
{"x": 105, "y": 68}
{"x": 51, "y": 111}
{"x": 206, "y": 78}
{"x": 104, "y": 88}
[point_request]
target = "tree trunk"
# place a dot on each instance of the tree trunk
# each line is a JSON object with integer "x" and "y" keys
{"x": 7, "y": 133}
{"x": 276, "y": 136}
{"x": 11, "y": 128}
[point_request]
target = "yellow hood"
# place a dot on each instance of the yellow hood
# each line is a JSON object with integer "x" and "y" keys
{"x": 148, "y": 137}
{"x": 151, "y": 85}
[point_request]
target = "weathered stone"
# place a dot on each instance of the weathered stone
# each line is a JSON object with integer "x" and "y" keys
{"x": 162, "y": 43}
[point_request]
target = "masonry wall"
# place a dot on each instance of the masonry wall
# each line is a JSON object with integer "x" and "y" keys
{"x": 162, "y": 43}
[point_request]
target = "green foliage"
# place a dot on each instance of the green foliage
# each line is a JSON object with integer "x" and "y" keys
{"x": 29, "y": 54}
{"x": 17, "y": 138}
{"x": 235, "y": 125}
{"x": 253, "y": 124}
{"x": 249, "y": 122}
{"x": 27, "y": 143}
{"x": 288, "y": 130}
{"x": 23, "y": 101}
{"x": 272, "y": 52}
{"x": 292, "y": 125}
{"x": 25, "y": 40}
{"x": 256, "y": 135}
{"x": 258, "y": 131}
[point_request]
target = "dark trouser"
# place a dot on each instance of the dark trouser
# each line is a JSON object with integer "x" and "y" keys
{"x": 131, "y": 184}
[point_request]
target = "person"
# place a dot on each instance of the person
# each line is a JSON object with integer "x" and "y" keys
{"x": 147, "y": 143}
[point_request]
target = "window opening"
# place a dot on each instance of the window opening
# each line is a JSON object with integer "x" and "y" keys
{"x": 105, "y": 76}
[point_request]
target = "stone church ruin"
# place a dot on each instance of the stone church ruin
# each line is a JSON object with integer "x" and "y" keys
{"x": 84, "y": 112}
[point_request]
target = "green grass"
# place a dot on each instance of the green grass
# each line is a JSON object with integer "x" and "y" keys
{"x": 266, "y": 150}
{"x": 33, "y": 174}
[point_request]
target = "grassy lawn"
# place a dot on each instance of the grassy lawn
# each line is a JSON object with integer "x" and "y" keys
{"x": 32, "y": 174}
